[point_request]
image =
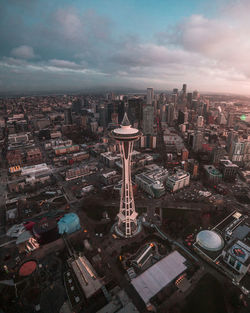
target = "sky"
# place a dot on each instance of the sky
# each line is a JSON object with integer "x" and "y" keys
{"x": 75, "y": 45}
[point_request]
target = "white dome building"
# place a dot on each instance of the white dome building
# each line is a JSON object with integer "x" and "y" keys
{"x": 209, "y": 240}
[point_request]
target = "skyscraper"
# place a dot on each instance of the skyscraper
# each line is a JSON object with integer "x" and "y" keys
{"x": 148, "y": 120}
{"x": 230, "y": 120}
{"x": 150, "y": 96}
{"x": 189, "y": 100}
{"x": 200, "y": 121}
{"x": 68, "y": 116}
{"x": 127, "y": 216}
{"x": 184, "y": 88}
{"x": 197, "y": 141}
{"x": 170, "y": 114}
{"x": 135, "y": 110}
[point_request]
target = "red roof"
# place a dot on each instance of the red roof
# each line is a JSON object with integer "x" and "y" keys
{"x": 27, "y": 268}
{"x": 29, "y": 225}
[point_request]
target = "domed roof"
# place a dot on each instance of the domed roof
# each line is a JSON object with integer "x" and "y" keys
{"x": 209, "y": 240}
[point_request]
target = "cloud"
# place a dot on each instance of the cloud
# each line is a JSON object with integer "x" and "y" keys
{"x": 23, "y": 52}
{"x": 223, "y": 40}
{"x": 207, "y": 53}
{"x": 79, "y": 27}
{"x": 64, "y": 64}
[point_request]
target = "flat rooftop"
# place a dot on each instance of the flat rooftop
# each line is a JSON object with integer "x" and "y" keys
{"x": 150, "y": 282}
{"x": 86, "y": 276}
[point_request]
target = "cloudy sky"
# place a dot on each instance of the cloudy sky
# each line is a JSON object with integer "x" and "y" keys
{"x": 78, "y": 44}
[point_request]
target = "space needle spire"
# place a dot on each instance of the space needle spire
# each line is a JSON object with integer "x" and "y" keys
{"x": 127, "y": 217}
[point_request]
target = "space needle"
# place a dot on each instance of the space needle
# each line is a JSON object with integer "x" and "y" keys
{"x": 127, "y": 225}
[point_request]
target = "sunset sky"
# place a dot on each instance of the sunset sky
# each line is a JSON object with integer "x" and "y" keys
{"x": 78, "y": 44}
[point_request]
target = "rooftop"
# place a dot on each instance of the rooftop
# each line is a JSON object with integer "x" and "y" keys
{"x": 212, "y": 170}
{"x": 86, "y": 276}
{"x": 159, "y": 275}
{"x": 209, "y": 240}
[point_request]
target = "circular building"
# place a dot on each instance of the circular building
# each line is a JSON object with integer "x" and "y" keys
{"x": 209, "y": 240}
{"x": 27, "y": 268}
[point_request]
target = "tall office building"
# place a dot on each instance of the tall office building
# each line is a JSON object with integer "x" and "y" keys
{"x": 232, "y": 136}
{"x": 197, "y": 141}
{"x": 218, "y": 154}
{"x": 230, "y": 120}
{"x": 181, "y": 117}
{"x": 200, "y": 121}
{"x": 148, "y": 120}
{"x": 163, "y": 113}
{"x": 68, "y": 116}
{"x": 196, "y": 95}
{"x": 170, "y": 114}
{"x": 127, "y": 217}
{"x": 189, "y": 100}
{"x": 150, "y": 96}
{"x": 103, "y": 118}
{"x": 184, "y": 88}
{"x": 135, "y": 110}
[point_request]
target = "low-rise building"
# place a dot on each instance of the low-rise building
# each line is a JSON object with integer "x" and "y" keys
{"x": 34, "y": 156}
{"x": 229, "y": 170}
{"x": 227, "y": 246}
{"x": 109, "y": 158}
{"x": 213, "y": 175}
{"x": 79, "y": 156}
{"x": 17, "y": 139}
{"x": 159, "y": 275}
{"x": 178, "y": 181}
{"x": 74, "y": 173}
{"x": 15, "y": 158}
{"x": 245, "y": 175}
{"x": 34, "y": 169}
{"x": 109, "y": 177}
{"x": 237, "y": 256}
{"x": 55, "y": 134}
{"x": 66, "y": 149}
{"x": 152, "y": 181}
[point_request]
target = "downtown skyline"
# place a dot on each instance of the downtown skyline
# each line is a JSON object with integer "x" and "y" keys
{"x": 78, "y": 45}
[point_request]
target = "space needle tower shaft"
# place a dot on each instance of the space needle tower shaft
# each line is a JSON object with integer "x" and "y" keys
{"x": 127, "y": 216}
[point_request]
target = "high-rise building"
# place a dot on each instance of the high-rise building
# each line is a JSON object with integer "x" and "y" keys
{"x": 196, "y": 95}
{"x": 218, "y": 154}
{"x": 200, "y": 121}
{"x": 103, "y": 118}
{"x": 236, "y": 152}
{"x": 200, "y": 108}
{"x": 184, "y": 88}
{"x": 232, "y": 136}
{"x": 181, "y": 117}
{"x": 150, "y": 96}
{"x": 197, "y": 141}
{"x": 127, "y": 217}
{"x": 68, "y": 116}
{"x": 148, "y": 120}
{"x": 170, "y": 114}
{"x": 189, "y": 100}
{"x": 135, "y": 110}
{"x": 163, "y": 113}
{"x": 184, "y": 154}
{"x": 230, "y": 120}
